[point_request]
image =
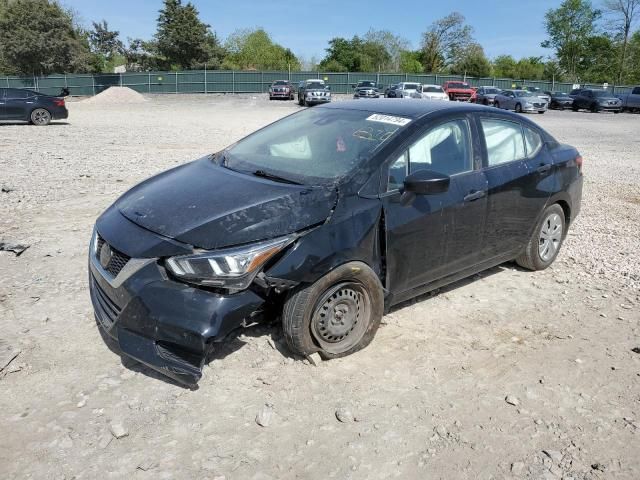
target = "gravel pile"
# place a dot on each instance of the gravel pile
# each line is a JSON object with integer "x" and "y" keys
{"x": 115, "y": 96}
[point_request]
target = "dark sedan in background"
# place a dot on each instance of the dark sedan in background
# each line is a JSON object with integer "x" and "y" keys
{"x": 29, "y": 106}
{"x": 596, "y": 101}
{"x": 486, "y": 95}
{"x": 559, "y": 100}
{"x": 326, "y": 219}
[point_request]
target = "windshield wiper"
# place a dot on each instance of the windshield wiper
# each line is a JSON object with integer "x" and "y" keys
{"x": 272, "y": 176}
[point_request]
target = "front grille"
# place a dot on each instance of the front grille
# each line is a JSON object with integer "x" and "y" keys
{"x": 105, "y": 309}
{"x": 118, "y": 259}
{"x": 538, "y": 105}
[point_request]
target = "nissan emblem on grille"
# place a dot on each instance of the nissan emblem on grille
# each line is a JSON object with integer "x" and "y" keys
{"x": 105, "y": 255}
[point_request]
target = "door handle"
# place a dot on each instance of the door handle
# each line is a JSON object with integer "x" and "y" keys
{"x": 544, "y": 168}
{"x": 474, "y": 195}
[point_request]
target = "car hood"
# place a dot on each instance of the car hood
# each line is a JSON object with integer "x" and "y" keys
{"x": 208, "y": 206}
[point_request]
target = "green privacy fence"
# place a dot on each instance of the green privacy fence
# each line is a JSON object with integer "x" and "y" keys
{"x": 218, "y": 81}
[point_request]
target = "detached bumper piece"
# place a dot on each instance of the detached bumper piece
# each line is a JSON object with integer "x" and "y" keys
{"x": 167, "y": 325}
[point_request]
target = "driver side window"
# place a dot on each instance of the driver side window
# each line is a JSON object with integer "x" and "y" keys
{"x": 444, "y": 149}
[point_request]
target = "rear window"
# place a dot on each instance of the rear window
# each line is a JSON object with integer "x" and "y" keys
{"x": 504, "y": 141}
{"x": 432, "y": 89}
{"x": 458, "y": 85}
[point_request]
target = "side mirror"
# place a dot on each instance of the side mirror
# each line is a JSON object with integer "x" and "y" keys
{"x": 327, "y": 87}
{"x": 353, "y": 85}
{"x": 426, "y": 182}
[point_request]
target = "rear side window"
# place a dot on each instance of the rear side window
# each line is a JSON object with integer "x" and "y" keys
{"x": 504, "y": 141}
{"x": 533, "y": 141}
{"x": 16, "y": 94}
{"x": 636, "y": 91}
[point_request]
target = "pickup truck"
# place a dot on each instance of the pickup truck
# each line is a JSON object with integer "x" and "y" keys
{"x": 458, "y": 91}
{"x": 631, "y": 101}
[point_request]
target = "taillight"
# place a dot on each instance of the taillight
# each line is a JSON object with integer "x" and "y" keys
{"x": 579, "y": 162}
{"x": 59, "y": 102}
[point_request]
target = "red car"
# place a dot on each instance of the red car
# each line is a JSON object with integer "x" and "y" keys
{"x": 458, "y": 91}
{"x": 281, "y": 89}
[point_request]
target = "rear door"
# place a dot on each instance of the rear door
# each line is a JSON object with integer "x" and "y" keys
{"x": 18, "y": 103}
{"x": 431, "y": 236}
{"x": 2, "y": 109}
{"x": 519, "y": 172}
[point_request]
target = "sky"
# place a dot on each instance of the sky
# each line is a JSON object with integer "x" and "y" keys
{"x": 500, "y": 26}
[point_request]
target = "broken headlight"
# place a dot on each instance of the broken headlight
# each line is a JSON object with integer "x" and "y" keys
{"x": 233, "y": 268}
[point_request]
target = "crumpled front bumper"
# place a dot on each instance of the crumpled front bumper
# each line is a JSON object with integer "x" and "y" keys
{"x": 164, "y": 324}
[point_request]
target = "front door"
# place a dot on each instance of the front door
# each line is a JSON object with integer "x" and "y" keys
{"x": 431, "y": 236}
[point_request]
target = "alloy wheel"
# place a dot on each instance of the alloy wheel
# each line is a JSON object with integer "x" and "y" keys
{"x": 550, "y": 237}
{"x": 40, "y": 116}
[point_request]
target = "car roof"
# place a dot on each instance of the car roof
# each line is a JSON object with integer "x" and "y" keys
{"x": 431, "y": 85}
{"x": 314, "y": 80}
{"x": 403, "y": 108}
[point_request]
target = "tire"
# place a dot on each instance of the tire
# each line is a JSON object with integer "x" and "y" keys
{"x": 300, "y": 101}
{"x": 541, "y": 111}
{"x": 496, "y": 104}
{"x": 485, "y": 102}
{"x": 594, "y": 108}
{"x": 616, "y": 111}
{"x": 337, "y": 315}
{"x": 40, "y": 117}
{"x": 574, "y": 108}
{"x": 518, "y": 108}
{"x": 546, "y": 241}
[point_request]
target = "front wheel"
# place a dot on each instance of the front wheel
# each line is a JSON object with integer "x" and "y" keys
{"x": 497, "y": 104}
{"x": 337, "y": 315}
{"x": 594, "y": 108}
{"x": 40, "y": 117}
{"x": 546, "y": 240}
{"x": 541, "y": 111}
{"x": 518, "y": 108}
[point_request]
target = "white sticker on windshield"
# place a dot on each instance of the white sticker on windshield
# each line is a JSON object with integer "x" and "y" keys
{"x": 377, "y": 117}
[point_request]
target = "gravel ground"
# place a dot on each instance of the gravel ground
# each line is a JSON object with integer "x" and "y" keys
{"x": 509, "y": 374}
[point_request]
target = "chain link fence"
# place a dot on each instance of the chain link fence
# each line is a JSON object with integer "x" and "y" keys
{"x": 218, "y": 81}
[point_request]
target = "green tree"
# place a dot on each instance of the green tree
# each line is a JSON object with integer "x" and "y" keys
{"x": 182, "y": 40}
{"x": 106, "y": 47}
{"x": 597, "y": 66}
{"x": 622, "y": 15}
{"x": 255, "y": 50}
{"x": 393, "y": 44}
{"x": 633, "y": 74}
{"x": 445, "y": 42}
{"x": 39, "y": 37}
{"x": 568, "y": 27}
{"x": 410, "y": 62}
{"x": 355, "y": 55}
{"x": 529, "y": 68}
{"x": 504, "y": 66}
{"x": 553, "y": 71}
{"x": 472, "y": 62}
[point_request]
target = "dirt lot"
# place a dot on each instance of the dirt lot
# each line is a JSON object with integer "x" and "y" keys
{"x": 428, "y": 395}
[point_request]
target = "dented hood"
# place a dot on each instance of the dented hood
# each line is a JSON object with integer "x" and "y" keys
{"x": 209, "y": 206}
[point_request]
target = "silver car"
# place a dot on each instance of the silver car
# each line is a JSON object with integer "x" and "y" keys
{"x": 405, "y": 89}
{"x": 520, "y": 101}
{"x": 486, "y": 95}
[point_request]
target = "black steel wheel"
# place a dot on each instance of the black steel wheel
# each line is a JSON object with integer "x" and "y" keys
{"x": 337, "y": 315}
{"x": 518, "y": 108}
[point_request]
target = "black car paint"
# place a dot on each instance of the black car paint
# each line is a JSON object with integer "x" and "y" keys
{"x": 585, "y": 99}
{"x": 482, "y": 220}
{"x": 17, "y": 104}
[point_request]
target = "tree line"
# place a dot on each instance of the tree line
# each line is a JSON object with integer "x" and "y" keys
{"x": 588, "y": 43}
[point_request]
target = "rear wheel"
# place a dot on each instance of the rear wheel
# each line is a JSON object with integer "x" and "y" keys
{"x": 40, "y": 117}
{"x": 337, "y": 315}
{"x": 574, "y": 107}
{"x": 546, "y": 240}
{"x": 594, "y": 108}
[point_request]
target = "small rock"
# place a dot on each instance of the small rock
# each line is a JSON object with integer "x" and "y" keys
{"x": 16, "y": 248}
{"x": 635, "y": 349}
{"x": 82, "y": 403}
{"x": 598, "y": 466}
{"x": 537, "y": 421}
{"x": 315, "y": 359}
{"x": 344, "y": 415}
{"x": 511, "y": 400}
{"x": 554, "y": 455}
{"x": 441, "y": 430}
{"x": 263, "y": 418}
{"x": 118, "y": 430}
{"x": 517, "y": 468}
{"x": 577, "y": 360}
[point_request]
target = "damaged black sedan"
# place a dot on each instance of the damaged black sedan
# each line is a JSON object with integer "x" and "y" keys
{"x": 325, "y": 219}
